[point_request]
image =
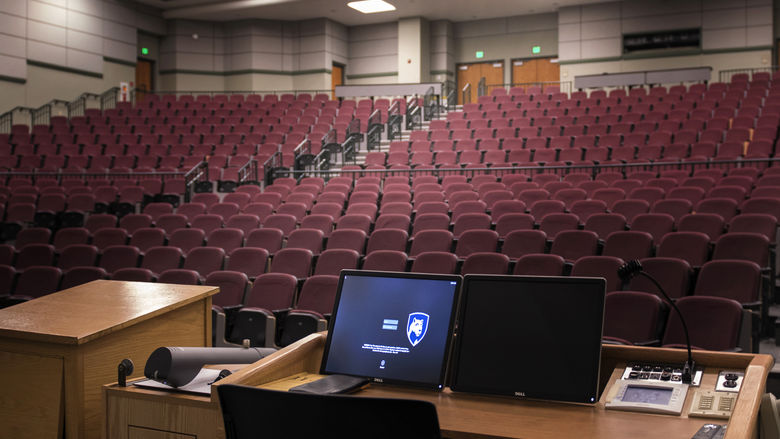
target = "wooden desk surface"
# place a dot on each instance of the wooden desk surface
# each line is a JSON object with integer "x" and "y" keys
{"x": 69, "y": 317}
{"x": 477, "y": 416}
{"x": 461, "y": 415}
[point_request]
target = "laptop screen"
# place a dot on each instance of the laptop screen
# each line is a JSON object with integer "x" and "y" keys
{"x": 530, "y": 336}
{"x": 392, "y": 327}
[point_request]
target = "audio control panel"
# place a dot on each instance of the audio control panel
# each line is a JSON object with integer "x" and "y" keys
{"x": 658, "y": 373}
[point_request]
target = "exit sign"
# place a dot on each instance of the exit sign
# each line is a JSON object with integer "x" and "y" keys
{"x": 480, "y": 54}
{"x": 536, "y": 49}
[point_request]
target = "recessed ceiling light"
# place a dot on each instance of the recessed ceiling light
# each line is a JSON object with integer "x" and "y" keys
{"x": 371, "y": 6}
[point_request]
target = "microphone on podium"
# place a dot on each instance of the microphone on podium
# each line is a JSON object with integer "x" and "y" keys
{"x": 634, "y": 267}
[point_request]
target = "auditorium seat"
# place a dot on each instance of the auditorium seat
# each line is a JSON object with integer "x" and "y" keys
{"x": 725, "y": 207}
{"x": 708, "y": 223}
{"x": 674, "y": 275}
{"x": 161, "y": 258}
{"x": 574, "y": 244}
{"x": 232, "y": 288}
{"x": 37, "y": 280}
{"x": 599, "y": 266}
{"x": 656, "y": 224}
{"x": 385, "y": 260}
{"x": 730, "y": 278}
{"x": 471, "y": 241}
{"x": 256, "y": 321}
{"x": 179, "y": 276}
{"x": 269, "y": 239}
{"x": 34, "y": 254}
{"x": 713, "y": 323}
{"x": 32, "y": 235}
{"x": 81, "y": 275}
{"x": 294, "y": 261}
{"x": 77, "y": 255}
{"x": 146, "y": 238}
{"x": 553, "y": 223}
{"x": 133, "y": 274}
{"x": 636, "y": 317}
{"x": 764, "y": 224}
{"x": 356, "y": 221}
{"x": 485, "y": 263}
{"x": 134, "y": 221}
{"x": 539, "y": 264}
{"x": 204, "y": 260}
{"x": 745, "y": 246}
{"x": 693, "y": 247}
{"x": 331, "y": 262}
{"x": 70, "y": 235}
{"x": 99, "y": 221}
{"x": 435, "y": 262}
{"x": 315, "y": 303}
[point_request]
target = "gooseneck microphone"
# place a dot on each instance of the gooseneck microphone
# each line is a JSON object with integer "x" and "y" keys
{"x": 634, "y": 267}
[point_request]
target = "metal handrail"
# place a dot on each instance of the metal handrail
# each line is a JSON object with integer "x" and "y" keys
{"x": 481, "y": 87}
{"x": 563, "y": 86}
{"x": 394, "y": 120}
{"x": 561, "y": 169}
{"x": 7, "y": 118}
{"x": 429, "y": 104}
{"x": 108, "y": 99}
{"x": 248, "y": 173}
{"x": 213, "y": 93}
{"x": 271, "y": 165}
{"x": 466, "y": 94}
{"x": 374, "y": 132}
{"x": 725, "y": 75}
{"x": 199, "y": 172}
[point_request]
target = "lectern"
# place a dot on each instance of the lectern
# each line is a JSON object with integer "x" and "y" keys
{"x": 58, "y": 350}
{"x": 133, "y": 412}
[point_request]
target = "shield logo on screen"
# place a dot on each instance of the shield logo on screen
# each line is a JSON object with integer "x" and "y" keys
{"x": 416, "y": 327}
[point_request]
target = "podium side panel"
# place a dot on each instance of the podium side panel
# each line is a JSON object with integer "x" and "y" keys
{"x": 31, "y": 396}
{"x": 184, "y": 326}
{"x": 166, "y": 417}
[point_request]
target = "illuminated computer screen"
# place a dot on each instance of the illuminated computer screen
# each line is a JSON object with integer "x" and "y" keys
{"x": 530, "y": 336}
{"x": 392, "y": 327}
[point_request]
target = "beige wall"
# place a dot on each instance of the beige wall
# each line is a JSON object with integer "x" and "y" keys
{"x": 314, "y": 82}
{"x": 718, "y": 62}
{"x": 505, "y": 39}
{"x": 413, "y": 50}
{"x": 45, "y": 84}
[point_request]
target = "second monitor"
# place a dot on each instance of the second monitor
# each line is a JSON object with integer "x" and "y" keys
{"x": 530, "y": 336}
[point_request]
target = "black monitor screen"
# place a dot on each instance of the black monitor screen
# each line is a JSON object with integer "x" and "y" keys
{"x": 530, "y": 336}
{"x": 392, "y": 327}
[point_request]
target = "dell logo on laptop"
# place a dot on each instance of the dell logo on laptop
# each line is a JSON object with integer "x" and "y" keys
{"x": 520, "y": 394}
{"x": 378, "y": 380}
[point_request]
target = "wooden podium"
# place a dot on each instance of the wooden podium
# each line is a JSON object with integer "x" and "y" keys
{"x": 460, "y": 415}
{"x": 58, "y": 350}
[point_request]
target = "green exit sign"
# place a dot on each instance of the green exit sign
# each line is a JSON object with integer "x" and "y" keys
{"x": 145, "y": 50}
{"x": 480, "y": 54}
{"x": 536, "y": 49}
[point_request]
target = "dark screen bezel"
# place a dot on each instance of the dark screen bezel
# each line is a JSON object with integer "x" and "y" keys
{"x": 394, "y": 274}
{"x": 457, "y": 348}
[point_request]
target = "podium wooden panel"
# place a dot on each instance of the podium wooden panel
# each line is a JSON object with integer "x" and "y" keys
{"x": 58, "y": 350}
{"x": 460, "y": 415}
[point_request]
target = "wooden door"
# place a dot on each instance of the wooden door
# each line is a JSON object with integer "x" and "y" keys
{"x": 494, "y": 75}
{"x": 547, "y": 71}
{"x": 529, "y": 71}
{"x": 143, "y": 79}
{"x": 493, "y": 72}
{"x": 336, "y": 78}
